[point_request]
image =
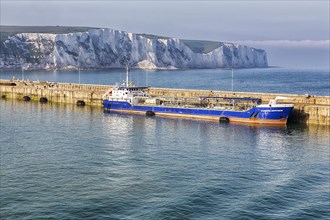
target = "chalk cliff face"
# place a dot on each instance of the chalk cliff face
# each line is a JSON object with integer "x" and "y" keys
{"x": 107, "y": 48}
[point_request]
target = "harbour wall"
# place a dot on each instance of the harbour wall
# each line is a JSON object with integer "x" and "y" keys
{"x": 309, "y": 109}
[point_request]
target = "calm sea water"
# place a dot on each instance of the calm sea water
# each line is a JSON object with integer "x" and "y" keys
{"x": 67, "y": 162}
{"x": 270, "y": 80}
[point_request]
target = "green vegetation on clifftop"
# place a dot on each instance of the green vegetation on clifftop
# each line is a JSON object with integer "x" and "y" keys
{"x": 197, "y": 46}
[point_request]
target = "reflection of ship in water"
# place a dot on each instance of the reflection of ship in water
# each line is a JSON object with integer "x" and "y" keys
{"x": 132, "y": 99}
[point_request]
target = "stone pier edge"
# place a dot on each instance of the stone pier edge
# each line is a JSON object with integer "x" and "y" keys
{"x": 309, "y": 109}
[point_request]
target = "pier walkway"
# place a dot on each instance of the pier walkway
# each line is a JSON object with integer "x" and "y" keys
{"x": 309, "y": 109}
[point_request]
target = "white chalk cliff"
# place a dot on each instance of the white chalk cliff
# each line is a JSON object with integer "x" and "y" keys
{"x": 107, "y": 48}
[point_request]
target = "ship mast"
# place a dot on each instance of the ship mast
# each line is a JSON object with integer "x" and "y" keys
{"x": 126, "y": 83}
{"x": 232, "y": 80}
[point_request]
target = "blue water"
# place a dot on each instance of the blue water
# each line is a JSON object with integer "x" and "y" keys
{"x": 270, "y": 80}
{"x": 67, "y": 162}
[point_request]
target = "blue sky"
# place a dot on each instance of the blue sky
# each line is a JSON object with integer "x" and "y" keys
{"x": 294, "y": 33}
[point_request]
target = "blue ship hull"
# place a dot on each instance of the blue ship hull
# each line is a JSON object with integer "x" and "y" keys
{"x": 265, "y": 115}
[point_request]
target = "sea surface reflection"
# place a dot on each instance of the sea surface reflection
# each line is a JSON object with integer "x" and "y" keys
{"x": 67, "y": 162}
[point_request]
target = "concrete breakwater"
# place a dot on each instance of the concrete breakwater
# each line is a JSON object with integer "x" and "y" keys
{"x": 308, "y": 109}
